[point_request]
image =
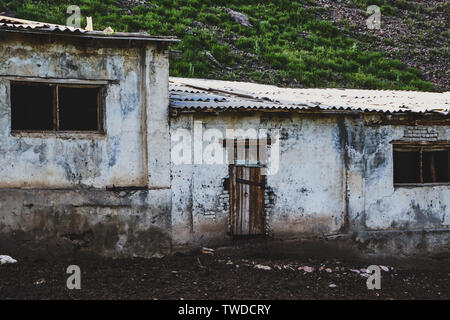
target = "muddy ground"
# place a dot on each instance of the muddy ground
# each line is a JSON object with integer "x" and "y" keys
{"x": 225, "y": 274}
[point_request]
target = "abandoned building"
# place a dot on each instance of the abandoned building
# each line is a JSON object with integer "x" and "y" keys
{"x": 370, "y": 165}
{"x": 102, "y": 152}
{"x": 85, "y": 145}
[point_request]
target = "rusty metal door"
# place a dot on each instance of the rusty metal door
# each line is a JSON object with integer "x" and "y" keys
{"x": 246, "y": 201}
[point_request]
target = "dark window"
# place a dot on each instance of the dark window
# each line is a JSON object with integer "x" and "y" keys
{"x": 78, "y": 108}
{"x": 32, "y": 107}
{"x": 54, "y": 107}
{"x": 421, "y": 165}
{"x": 435, "y": 166}
{"x": 406, "y": 167}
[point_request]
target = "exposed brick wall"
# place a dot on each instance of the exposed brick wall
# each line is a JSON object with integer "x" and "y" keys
{"x": 420, "y": 133}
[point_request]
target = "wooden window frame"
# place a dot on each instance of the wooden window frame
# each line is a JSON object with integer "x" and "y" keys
{"x": 422, "y": 146}
{"x": 56, "y": 84}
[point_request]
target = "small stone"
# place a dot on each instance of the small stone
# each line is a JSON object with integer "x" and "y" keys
{"x": 239, "y": 17}
{"x": 384, "y": 268}
{"x": 262, "y": 267}
{"x": 306, "y": 269}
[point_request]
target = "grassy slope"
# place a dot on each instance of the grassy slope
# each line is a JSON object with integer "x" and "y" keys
{"x": 289, "y": 44}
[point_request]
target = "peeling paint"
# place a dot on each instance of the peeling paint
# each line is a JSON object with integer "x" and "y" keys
{"x": 118, "y": 194}
{"x": 331, "y": 169}
{"x": 53, "y": 187}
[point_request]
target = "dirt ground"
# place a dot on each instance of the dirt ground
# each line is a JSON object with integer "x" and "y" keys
{"x": 221, "y": 275}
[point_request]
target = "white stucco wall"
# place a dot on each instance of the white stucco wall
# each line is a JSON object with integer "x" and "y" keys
{"x": 402, "y": 208}
{"x": 52, "y": 186}
{"x": 308, "y": 187}
{"x": 115, "y": 159}
{"x": 336, "y": 175}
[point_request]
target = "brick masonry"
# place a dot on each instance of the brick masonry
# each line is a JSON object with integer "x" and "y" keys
{"x": 420, "y": 133}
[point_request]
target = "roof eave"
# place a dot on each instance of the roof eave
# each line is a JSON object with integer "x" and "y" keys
{"x": 118, "y": 36}
{"x": 303, "y": 110}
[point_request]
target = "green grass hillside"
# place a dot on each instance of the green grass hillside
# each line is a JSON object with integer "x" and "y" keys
{"x": 291, "y": 43}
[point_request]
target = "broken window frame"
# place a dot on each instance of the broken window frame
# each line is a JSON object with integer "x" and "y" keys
{"x": 55, "y": 85}
{"x": 421, "y": 147}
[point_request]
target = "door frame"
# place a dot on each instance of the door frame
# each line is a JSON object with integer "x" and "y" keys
{"x": 231, "y": 183}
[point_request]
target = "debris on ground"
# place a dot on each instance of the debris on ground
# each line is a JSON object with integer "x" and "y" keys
{"x": 176, "y": 276}
{"x": 262, "y": 267}
{"x": 384, "y": 268}
{"x": 365, "y": 275}
{"x": 306, "y": 269}
{"x": 7, "y": 259}
{"x": 208, "y": 251}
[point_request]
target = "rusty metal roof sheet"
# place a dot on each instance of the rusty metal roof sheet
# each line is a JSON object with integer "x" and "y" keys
{"x": 35, "y": 27}
{"x": 213, "y": 95}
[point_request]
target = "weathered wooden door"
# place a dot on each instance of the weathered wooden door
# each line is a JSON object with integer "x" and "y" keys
{"x": 246, "y": 201}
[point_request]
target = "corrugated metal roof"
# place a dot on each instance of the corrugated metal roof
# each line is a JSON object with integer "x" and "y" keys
{"x": 213, "y": 95}
{"x": 28, "y": 26}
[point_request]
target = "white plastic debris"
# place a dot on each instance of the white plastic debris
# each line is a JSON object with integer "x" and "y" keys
{"x": 207, "y": 251}
{"x": 328, "y": 270}
{"x": 262, "y": 267}
{"x": 7, "y": 259}
{"x": 288, "y": 267}
{"x": 384, "y": 268}
{"x": 332, "y": 285}
{"x": 306, "y": 269}
{"x": 365, "y": 275}
{"x": 355, "y": 270}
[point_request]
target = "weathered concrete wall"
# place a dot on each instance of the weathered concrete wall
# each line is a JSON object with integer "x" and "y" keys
{"x": 97, "y": 161}
{"x": 335, "y": 177}
{"x": 119, "y": 194}
{"x": 387, "y": 220}
{"x": 46, "y": 223}
{"x": 308, "y": 188}
{"x": 53, "y": 188}
{"x": 390, "y": 208}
